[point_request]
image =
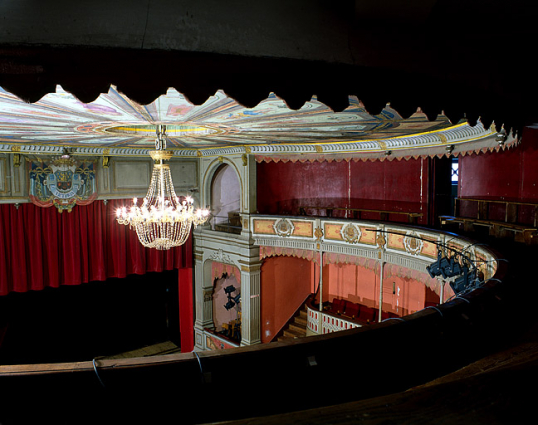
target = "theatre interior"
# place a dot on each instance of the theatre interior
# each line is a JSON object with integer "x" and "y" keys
{"x": 281, "y": 212}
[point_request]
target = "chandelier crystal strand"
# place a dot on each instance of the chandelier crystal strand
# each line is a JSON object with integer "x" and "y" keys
{"x": 162, "y": 221}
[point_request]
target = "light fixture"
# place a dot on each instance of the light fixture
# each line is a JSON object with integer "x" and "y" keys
{"x": 163, "y": 221}
{"x": 232, "y": 301}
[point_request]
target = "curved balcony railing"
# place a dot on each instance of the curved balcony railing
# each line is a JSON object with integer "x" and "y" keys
{"x": 328, "y": 239}
{"x": 398, "y": 354}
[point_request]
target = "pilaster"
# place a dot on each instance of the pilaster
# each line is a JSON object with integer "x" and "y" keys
{"x": 250, "y": 303}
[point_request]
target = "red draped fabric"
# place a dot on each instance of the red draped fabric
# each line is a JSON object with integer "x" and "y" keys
{"x": 40, "y": 247}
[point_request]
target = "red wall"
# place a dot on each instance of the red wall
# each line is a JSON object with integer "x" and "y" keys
{"x": 285, "y": 284}
{"x": 510, "y": 174}
{"x": 361, "y": 285}
{"x": 287, "y": 281}
{"x": 385, "y": 185}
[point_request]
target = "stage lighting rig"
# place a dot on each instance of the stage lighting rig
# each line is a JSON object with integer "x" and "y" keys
{"x": 232, "y": 301}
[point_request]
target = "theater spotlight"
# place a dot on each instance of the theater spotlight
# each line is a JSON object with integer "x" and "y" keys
{"x": 466, "y": 281}
{"x": 437, "y": 267}
{"x": 452, "y": 268}
{"x": 232, "y": 301}
{"x": 229, "y": 289}
{"x": 229, "y": 305}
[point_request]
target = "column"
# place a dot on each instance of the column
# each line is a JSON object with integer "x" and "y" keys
{"x": 250, "y": 303}
{"x": 203, "y": 291}
{"x": 381, "y": 267}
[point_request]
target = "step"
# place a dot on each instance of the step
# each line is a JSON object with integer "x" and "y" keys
{"x": 301, "y": 320}
{"x": 292, "y": 333}
{"x": 297, "y": 327}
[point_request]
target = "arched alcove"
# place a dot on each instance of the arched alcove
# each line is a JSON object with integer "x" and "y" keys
{"x": 225, "y": 198}
{"x": 227, "y": 306}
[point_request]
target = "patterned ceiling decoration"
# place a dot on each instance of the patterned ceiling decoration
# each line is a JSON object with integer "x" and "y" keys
{"x": 115, "y": 125}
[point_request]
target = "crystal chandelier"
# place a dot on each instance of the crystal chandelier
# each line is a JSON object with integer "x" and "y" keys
{"x": 162, "y": 221}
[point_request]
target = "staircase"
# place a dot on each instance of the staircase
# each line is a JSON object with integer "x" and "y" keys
{"x": 296, "y": 327}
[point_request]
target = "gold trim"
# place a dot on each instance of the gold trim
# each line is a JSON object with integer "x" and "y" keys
{"x": 161, "y": 155}
{"x": 251, "y": 268}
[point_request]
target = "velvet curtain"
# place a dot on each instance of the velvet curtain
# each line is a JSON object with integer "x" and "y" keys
{"x": 40, "y": 247}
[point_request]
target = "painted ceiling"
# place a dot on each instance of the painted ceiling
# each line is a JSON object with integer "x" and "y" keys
{"x": 115, "y": 121}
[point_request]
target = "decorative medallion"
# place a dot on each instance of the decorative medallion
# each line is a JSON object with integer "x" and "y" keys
{"x": 62, "y": 182}
{"x": 283, "y": 227}
{"x": 351, "y": 233}
{"x": 412, "y": 243}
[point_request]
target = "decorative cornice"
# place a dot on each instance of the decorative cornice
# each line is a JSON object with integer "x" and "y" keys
{"x": 463, "y": 138}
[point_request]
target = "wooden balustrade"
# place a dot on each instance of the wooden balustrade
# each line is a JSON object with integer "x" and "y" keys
{"x": 481, "y": 215}
{"x": 356, "y": 213}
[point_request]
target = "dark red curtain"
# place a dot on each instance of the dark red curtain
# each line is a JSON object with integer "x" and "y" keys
{"x": 40, "y": 247}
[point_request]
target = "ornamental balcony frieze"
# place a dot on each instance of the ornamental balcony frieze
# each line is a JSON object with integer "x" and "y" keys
{"x": 398, "y": 244}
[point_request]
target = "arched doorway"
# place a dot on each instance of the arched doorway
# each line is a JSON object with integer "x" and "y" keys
{"x": 225, "y": 200}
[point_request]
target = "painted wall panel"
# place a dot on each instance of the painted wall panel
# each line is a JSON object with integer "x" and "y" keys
{"x": 401, "y": 295}
{"x": 285, "y": 284}
{"x": 509, "y": 174}
{"x": 283, "y": 187}
{"x": 3, "y": 174}
{"x": 131, "y": 175}
{"x": 388, "y": 185}
{"x": 184, "y": 174}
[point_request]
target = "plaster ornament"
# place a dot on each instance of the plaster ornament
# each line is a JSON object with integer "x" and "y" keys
{"x": 351, "y": 233}
{"x": 412, "y": 243}
{"x": 283, "y": 227}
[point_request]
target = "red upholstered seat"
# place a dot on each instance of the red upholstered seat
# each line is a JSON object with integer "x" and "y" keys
{"x": 367, "y": 314}
{"x": 352, "y": 309}
{"x": 338, "y": 306}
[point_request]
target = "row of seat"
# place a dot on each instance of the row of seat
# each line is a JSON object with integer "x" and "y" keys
{"x": 356, "y": 311}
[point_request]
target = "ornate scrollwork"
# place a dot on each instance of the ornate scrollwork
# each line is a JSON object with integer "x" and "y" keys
{"x": 318, "y": 233}
{"x": 221, "y": 257}
{"x": 380, "y": 240}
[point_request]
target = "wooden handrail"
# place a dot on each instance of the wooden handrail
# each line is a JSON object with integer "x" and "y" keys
{"x": 511, "y": 208}
{"x": 527, "y": 232}
{"x": 412, "y": 216}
